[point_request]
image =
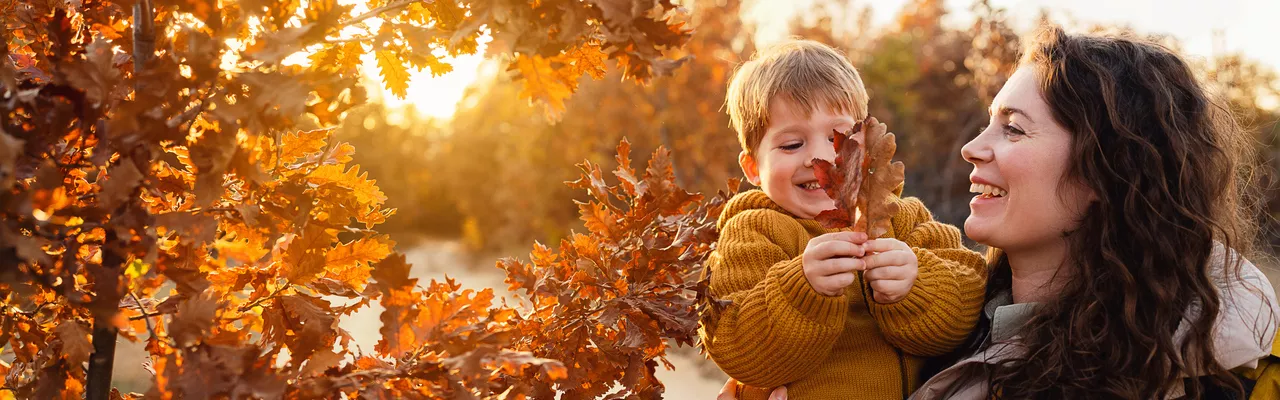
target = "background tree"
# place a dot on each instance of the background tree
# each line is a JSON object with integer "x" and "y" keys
{"x": 154, "y": 181}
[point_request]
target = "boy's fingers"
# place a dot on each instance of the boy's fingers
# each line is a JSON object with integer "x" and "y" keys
{"x": 841, "y": 281}
{"x": 833, "y": 266}
{"x": 886, "y": 286}
{"x": 729, "y": 390}
{"x": 882, "y": 245}
{"x": 888, "y": 258}
{"x": 845, "y": 265}
{"x": 836, "y": 248}
{"x": 886, "y": 273}
{"x": 882, "y": 298}
{"x": 847, "y": 236}
{"x": 779, "y": 394}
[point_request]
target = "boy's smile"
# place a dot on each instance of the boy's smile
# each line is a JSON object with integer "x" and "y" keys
{"x": 783, "y": 163}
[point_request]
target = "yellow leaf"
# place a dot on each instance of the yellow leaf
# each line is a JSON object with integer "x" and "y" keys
{"x": 328, "y": 58}
{"x": 299, "y": 144}
{"x": 365, "y": 190}
{"x": 419, "y": 13}
{"x": 542, "y": 82}
{"x": 351, "y": 53}
{"x": 137, "y": 269}
{"x": 394, "y": 74}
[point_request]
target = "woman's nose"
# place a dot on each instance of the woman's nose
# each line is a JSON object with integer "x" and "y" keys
{"x": 977, "y": 150}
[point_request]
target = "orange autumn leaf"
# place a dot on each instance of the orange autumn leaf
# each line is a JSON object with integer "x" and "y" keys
{"x": 360, "y": 251}
{"x": 542, "y": 82}
{"x": 305, "y": 254}
{"x": 587, "y": 59}
{"x": 299, "y": 144}
{"x": 349, "y": 263}
{"x": 365, "y": 190}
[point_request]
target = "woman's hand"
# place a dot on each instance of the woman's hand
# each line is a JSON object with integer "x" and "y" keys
{"x": 731, "y": 386}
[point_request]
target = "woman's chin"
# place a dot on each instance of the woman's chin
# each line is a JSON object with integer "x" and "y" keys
{"x": 978, "y": 229}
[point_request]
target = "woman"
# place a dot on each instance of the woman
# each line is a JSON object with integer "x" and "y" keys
{"x": 1111, "y": 187}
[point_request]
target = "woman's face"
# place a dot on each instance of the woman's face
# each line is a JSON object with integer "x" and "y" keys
{"x": 1019, "y": 164}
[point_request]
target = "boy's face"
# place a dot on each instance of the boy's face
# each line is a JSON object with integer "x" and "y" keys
{"x": 783, "y": 163}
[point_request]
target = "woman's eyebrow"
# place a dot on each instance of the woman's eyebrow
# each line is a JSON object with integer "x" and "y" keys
{"x": 1007, "y": 111}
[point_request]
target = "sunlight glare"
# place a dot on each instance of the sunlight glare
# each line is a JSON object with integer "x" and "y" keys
{"x": 432, "y": 96}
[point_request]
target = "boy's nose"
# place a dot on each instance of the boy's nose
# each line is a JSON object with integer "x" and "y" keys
{"x": 824, "y": 151}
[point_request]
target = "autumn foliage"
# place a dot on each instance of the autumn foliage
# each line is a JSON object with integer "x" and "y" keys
{"x": 155, "y": 187}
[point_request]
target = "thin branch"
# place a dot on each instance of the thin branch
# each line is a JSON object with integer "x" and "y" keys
{"x": 213, "y": 210}
{"x": 33, "y": 313}
{"x": 145, "y": 316}
{"x": 375, "y": 12}
{"x": 190, "y": 115}
{"x": 348, "y": 40}
{"x": 273, "y": 294}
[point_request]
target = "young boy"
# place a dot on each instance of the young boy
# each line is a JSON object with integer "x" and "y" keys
{"x": 827, "y": 313}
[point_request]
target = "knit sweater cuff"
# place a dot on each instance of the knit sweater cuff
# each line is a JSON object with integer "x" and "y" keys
{"x": 790, "y": 282}
{"x": 937, "y": 313}
{"x": 932, "y": 289}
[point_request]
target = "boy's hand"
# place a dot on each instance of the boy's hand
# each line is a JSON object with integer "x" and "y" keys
{"x": 831, "y": 259}
{"x": 891, "y": 269}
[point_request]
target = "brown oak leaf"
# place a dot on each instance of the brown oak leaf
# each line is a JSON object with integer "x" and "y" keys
{"x": 864, "y": 179}
{"x": 75, "y": 341}
{"x": 881, "y": 180}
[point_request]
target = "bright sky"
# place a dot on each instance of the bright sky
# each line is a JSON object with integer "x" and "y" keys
{"x": 1245, "y": 25}
{"x": 433, "y": 96}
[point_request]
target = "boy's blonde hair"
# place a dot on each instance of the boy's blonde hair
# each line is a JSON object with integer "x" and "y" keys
{"x": 807, "y": 73}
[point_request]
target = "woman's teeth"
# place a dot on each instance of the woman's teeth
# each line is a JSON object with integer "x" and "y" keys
{"x": 987, "y": 190}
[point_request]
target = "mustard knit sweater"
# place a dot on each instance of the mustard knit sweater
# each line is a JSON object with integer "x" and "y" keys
{"x": 779, "y": 331}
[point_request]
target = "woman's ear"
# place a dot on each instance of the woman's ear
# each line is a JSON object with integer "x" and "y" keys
{"x": 749, "y": 167}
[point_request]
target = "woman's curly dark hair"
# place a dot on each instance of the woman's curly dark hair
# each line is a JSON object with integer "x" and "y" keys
{"x": 1172, "y": 171}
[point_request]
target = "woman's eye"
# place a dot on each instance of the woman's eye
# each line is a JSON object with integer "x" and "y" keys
{"x": 791, "y": 146}
{"x": 1013, "y": 130}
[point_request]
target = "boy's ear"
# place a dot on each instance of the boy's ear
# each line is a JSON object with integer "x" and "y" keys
{"x": 749, "y": 167}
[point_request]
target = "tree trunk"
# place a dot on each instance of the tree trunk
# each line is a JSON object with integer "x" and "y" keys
{"x": 107, "y": 282}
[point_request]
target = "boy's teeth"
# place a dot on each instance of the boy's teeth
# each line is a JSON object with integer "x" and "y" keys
{"x": 987, "y": 190}
{"x": 811, "y": 185}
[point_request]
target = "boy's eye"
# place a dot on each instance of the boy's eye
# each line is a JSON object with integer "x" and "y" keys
{"x": 791, "y": 146}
